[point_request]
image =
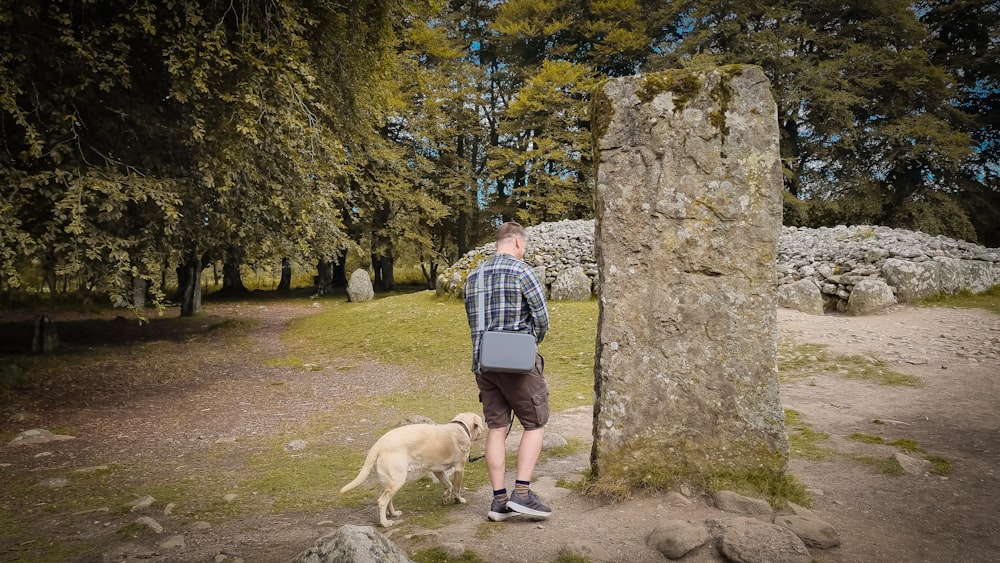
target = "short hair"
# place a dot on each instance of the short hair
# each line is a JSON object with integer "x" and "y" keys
{"x": 511, "y": 229}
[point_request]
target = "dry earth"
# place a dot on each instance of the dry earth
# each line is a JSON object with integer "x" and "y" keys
{"x": 160, "y": 429}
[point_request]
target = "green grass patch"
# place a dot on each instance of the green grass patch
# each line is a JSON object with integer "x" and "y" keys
{"x": 939, "y": 465}
{"x": 437, "y": 555}
{"x": 988, "y": 300}
{"x": 907, "y": 445}
{"x": 430, "y": 334}
{"x": 803, "y": 360}
{"x": 904, "y": 444}
{"x": 777, "y": 487}
{"x": 803, "y": 441}
{"x": 318, "y": 473}
{"x": 883, "y": 465}
{"x": 865, "y": 438}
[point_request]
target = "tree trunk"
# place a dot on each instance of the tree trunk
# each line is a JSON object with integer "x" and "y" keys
{"x": 430, "y": 273}
{"x": 377, "y": 270}
{"x": 340, "y": 271}
{"x": 286, "y": 276}
{"x": 189, "y": 287}
{"x": 464, "y": 232}
{"x": 324, "y": 277}
{"x": 382, "y": 266}
{"x": 232, "y": 277}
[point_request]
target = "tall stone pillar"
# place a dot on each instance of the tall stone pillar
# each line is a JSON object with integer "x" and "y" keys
{"x": 688, "y": 219}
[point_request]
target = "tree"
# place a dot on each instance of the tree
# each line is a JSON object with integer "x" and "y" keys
{"x": 136, "y": 136}
{"x": 866, "y": 116}
{"x": 551, "y": 155}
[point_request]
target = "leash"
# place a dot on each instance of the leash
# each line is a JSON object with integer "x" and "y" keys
{"x": 509, "y": 427}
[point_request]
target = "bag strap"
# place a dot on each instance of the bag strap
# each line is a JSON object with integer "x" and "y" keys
{"x": 482, "y": 309}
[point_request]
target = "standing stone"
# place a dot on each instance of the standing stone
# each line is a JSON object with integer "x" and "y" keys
{"x": 688, "y": 221}
{"x": 359, "y": 287}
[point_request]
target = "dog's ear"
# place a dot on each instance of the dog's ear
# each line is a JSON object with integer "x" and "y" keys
{"x": 477, "y": 423}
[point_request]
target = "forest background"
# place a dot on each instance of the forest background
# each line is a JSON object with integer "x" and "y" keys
{"x": 144, "y": 141}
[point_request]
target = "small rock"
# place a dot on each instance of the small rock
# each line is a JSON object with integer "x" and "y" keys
{"x": 296, "y": 445}
{"x": 729, "y": 501}
{"x": 912, "y": 465}
{"x": 813, "y": 531}
{"x": 141, "y": 503}
{"x": 673, "y": 498}
{"x": 55, "y": 482}
{"x": 37, "y": 436}
{"x": 173, "y": 542}
{"x": 582, "y": 549}
{"x": 149, "y": 523}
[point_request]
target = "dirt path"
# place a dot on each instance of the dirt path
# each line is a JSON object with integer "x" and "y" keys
{"x": 954, "y": 414}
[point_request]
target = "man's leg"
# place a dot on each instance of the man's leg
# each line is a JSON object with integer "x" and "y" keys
{"x": 496, "y": 454}
{"x": 528, "y": 452}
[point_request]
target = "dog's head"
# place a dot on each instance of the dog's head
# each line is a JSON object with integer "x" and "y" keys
{"x": 473, "y": 422}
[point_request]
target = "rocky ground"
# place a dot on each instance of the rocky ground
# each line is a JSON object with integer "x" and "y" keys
{"x": 954, "y": 414}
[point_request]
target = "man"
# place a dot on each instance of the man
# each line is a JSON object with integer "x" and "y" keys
{"x": 514, "y": 301}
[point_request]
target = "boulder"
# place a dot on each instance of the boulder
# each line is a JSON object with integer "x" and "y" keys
{"x": 751, "y": 541}
{"x": 572, "y": 284}
{"x": 675, "y": 538}
{"x": 870, "y": 295}
{"x": 803, "y": 295}
{"x": 813, "y": 531}
{"x": 359, "y": 287}
{"x": 912, "y": 280}
{"x": 353, "y": 544}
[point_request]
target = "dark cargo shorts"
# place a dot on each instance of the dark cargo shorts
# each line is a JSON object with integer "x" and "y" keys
{"x": 527, "y": 394}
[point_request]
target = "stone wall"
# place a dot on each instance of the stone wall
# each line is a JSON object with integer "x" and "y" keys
{"x": 835, "y": 259}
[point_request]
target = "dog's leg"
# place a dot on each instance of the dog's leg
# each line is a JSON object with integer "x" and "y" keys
{"x": 443, "y": 477}
{"x": 385, "y": 502}
{"x": 456, "y": 483}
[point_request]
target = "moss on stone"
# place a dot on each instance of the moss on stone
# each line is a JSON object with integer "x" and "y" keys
{"x": 682, "y": 84}
{"x": 601, "y": 113}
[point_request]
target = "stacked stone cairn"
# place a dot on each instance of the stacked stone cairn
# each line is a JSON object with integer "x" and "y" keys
{"x": 856, "y": 270}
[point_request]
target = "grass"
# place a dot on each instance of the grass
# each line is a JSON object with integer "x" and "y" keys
{"x": 803, "y": 360}
{"x": 940, "y": 465}
{"x": 803, "y": 441}
{"x": 882, "y": 465}
{"x": 437, "y": 555}
{"x": 989, "y": 300}
{"x": 430, "y": 334}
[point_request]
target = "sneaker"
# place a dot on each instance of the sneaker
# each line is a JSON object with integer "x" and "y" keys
{"x": 499, "y": 511}
{"x": 528, "y": 504}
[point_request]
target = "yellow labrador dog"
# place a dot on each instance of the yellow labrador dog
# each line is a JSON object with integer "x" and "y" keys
{"x": 420, "y": 447}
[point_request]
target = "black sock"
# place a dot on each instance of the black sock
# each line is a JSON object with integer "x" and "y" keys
{"x": 500, "y": 494}
{"x": 522, "y": 487}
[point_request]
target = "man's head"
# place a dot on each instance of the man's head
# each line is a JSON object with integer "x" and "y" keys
{"x": 512, "y": 239}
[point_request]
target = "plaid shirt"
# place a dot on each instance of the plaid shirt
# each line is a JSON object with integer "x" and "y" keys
{"x": 514, "y": 300}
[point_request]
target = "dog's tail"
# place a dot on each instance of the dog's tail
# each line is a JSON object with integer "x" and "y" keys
{"x": 366, "y": 470}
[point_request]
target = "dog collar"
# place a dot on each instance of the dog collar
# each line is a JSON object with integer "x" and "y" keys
{"x": 464, "y": 427}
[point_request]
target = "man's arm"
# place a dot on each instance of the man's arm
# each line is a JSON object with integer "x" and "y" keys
{"x": 534, "y": 293}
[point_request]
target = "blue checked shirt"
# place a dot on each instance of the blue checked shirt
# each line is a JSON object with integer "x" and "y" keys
{"x": 514, "y": 300}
